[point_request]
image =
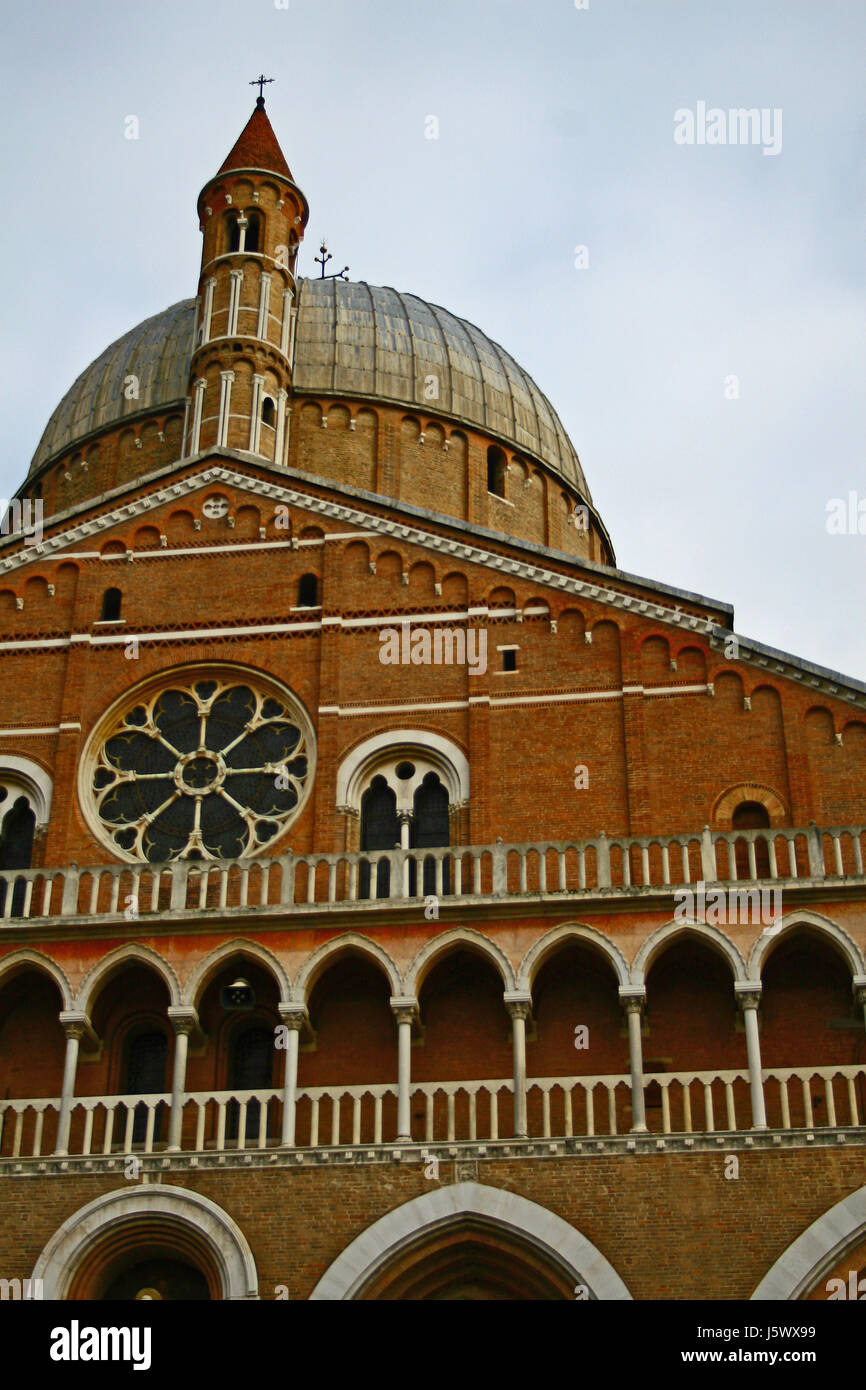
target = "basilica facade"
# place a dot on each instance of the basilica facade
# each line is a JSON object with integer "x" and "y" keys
{"x": 399, "y": 899}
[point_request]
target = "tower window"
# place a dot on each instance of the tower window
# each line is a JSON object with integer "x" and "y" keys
{"x": 269, "y": 412}
{"x": 496, "y": 470}
{"x": 308, "y": 591}
{"x": 253, "y": 239}
{"x": 509, "y": 659}
{"x": 233, "y": 232}
{"x": 111, "y": 604}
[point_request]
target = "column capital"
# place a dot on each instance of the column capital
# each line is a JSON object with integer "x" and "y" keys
{"x": 633, "y": 998}
{"x": 405, "y": 1009}
{"x": 76, "y": 1024}
{"x": 858, "y": 984}
{"x": 293, "y": 1016}
{"x": 748, "y": 993}
{"x": 183, "y": 1018}
{"x": 518, "y": 1003}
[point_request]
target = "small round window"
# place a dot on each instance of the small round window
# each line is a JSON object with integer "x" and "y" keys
{"x": 216, "y": 768}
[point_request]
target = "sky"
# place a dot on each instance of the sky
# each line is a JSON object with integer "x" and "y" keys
{"x": 705, "y": 347}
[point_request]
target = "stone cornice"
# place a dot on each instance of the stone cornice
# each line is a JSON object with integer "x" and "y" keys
{"x": 768, "y": 659}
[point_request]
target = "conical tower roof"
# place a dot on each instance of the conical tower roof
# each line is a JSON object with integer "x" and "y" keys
{"x": 257, "y": 146}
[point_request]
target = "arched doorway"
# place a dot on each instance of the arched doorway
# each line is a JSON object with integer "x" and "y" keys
{"x": 175, "y": 1235}
{"x": 470, "y": 1241}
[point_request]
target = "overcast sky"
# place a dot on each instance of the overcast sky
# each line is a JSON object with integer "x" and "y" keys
{"x": 556, "y": 129}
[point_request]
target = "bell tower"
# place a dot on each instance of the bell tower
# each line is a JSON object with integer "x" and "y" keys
{"x": 252, "y": 216}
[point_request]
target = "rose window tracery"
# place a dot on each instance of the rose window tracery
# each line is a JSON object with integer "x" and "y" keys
{"x": 215, "y": 769}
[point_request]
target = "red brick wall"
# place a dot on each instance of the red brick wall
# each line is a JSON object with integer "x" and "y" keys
{"x": 672, "y": 1226}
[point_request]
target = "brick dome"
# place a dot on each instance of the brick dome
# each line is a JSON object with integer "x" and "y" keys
{"x": 353, "y": 340}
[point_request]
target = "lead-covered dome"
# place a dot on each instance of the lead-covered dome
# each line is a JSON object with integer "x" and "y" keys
{"x": 353, "y": 340}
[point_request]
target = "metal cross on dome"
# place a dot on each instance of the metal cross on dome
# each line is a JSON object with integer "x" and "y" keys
{"x": 261, "y": 82}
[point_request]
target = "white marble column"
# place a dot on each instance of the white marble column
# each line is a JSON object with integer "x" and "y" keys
{"x": 74, "y": 1025}
{"x": 183, "y": 1020}
{"x": 236, "y": 277}
{"x": 256, "y": 412}
{"x": 633, "y": 1000}
{"x": 520, "y": 1008}
{"x": 282, "y": 396}
{"x": 294, "y": 1018}
{"x": 226, "y": 380}
{"x": 406, "y": 1013}
{"x": 748, "y": 998}
{"x": 198, "y": 405}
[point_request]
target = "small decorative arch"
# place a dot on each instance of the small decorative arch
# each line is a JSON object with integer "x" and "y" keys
{"x": 27, "y": 957}
{"x": 430, "y": 954}
{"x": 204, "y": 972}
{"x": 825, "y": 926}
{"x": 84, "y": 1230}
{"x": 700, "y": 931}
{"x": 448, "y": 1206}
{"x": 350, "y": 943}
{"x": 571, "y": 931}
{"x": 722, "y": 813}
{"x": 816, "y": 1251}
{"x": 110, "y": 965}
{"x": 446, "y": 758}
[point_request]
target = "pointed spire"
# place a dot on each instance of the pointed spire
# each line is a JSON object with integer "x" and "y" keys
{"x": 257, "y": 146}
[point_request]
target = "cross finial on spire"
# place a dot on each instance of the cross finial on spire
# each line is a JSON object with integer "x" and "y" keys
{"x": 260, "y": 82}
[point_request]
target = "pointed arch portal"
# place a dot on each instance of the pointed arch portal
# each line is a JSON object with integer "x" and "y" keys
{"x": 470, "y": 1241}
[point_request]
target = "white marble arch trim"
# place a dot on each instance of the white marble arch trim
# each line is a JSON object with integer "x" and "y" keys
{"x": 816, "y": 1251}
{"x": 33, "y": 779}
{"x": 69, "y": 1245}
{"x": 402, "y": 1227}
{"x": 445, "y": 754}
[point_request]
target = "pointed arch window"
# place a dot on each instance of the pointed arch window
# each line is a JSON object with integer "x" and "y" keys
{"x": 380, "y": 829}
{"x": 430, "y": 830}
{"x": 16, "y": 847}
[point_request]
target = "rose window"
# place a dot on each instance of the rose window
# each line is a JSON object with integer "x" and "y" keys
{"x": 215, "y": 770}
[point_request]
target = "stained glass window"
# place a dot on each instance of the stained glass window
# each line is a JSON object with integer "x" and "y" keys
{"x": 213, "y": 770}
